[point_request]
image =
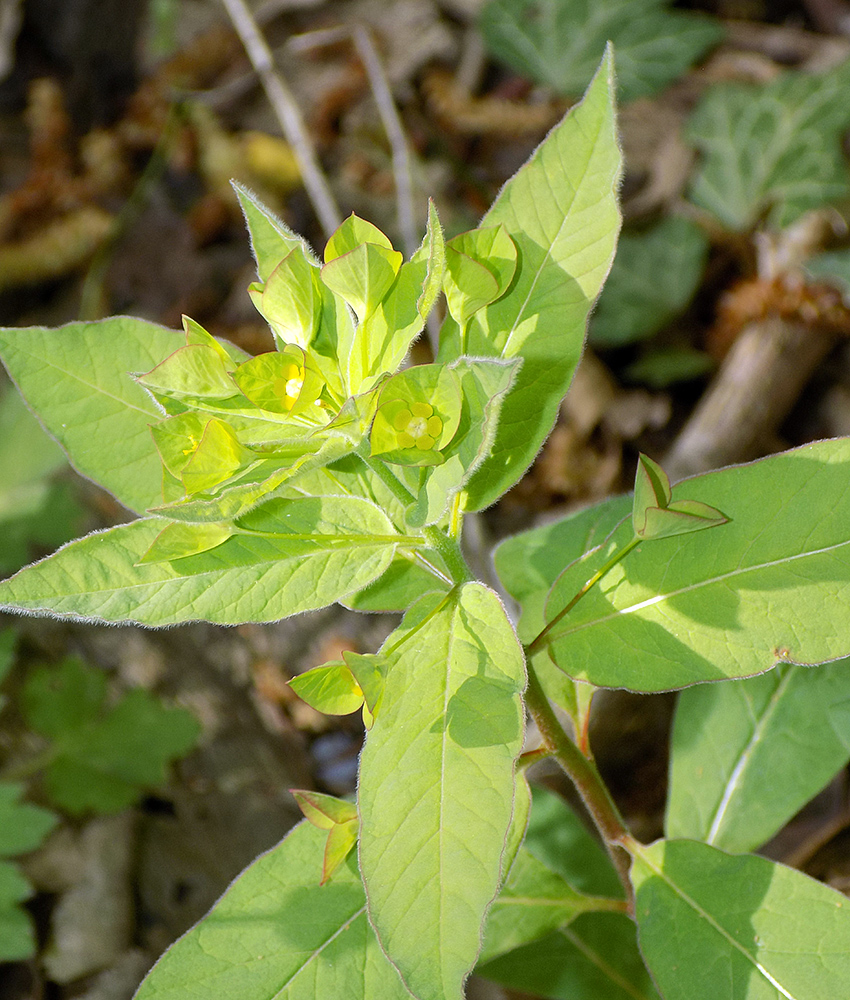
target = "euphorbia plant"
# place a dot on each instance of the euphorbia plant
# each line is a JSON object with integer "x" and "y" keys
{"x": 324, "y": 471}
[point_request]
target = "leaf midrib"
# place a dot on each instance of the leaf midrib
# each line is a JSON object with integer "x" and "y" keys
{"x": 694, "y": 905}
{"x": 691, "y": 588}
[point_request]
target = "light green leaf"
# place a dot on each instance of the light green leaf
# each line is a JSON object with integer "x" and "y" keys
{"x": 290, "y": 300}
{"x": 290, "y": 556}
{"x": 594, "y": 958}
{"x": 17, "y": 940}
{"x": 102, "y": 759}
{"x": 750, "y": 929}
{"x": 370, "y": 672}
{"x": 271, "y": 238}
{"x": 402, "y": 584}
{"x": 436, "y": 799}
{"x": 653, "y": 514}
{"x": 277, "y": 933}
{"x": 297, "y": 458}
{"x": 774, "y": 148}
{"x": 533, "y": 902}
{"x": 338, "y": 818}
{"x": 747, "y": 756}
{"x": 180, "y": 538}
{"x": 196, "y": 370}
{"x": 22, "y": 826}
{"x": 229, "y": 353}
{"x": 718, "y": 604}
{"x": 652, "y": 280}
{"x": 353, "y": 233}
{"x": 77, "y": 379}
{"x": 433, "y": 252}
{"x": 559, "y": 42}
{"x": 479, "y": 267}
{"x": 483, "y": 384}
{"x": 324, "y": 811}
{"x": 560, "y": 209}
{"x": 362, "y": 277}
{"x": 331, "y": 689}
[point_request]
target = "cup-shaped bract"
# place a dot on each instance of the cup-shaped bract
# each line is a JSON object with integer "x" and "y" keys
{"x": 418, "y": 415}
{"x": 286, "y": 381}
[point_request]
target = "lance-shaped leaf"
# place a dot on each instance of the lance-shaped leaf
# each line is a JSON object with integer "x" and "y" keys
{"x": 271, "y": 238}
{"x": 277, "y": 933}
{"x": 76, "y": 378}
{"x": 479, "y": 267}
{"x": 747, "y": 756}
{"x": 330, "y": 688}
{"x": 433, "y": 252}
{"x": 436, "y": 799}
{"x": 338, "y": 818}
{"x": 748, "y": 927}
{"x": 653, "y": 514}
{"x": 289, "y": 556}
{"x": 290, "y": 300}
{"x": 594, "y": 956}
{"x": 197, "y": 370}
{"x": 714, "y": 604}
{"x": 560, "y": 210}
{"x": 418, "y": 413}
{"x": 483, "y": 385}
{"x": 534, "y": 901}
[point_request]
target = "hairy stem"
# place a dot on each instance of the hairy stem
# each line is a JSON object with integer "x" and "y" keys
{"x": 584, "y": 775}
{"x": 436, "y": 539}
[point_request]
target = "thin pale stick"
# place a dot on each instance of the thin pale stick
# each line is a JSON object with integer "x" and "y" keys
{"x": 395, "y": 133}
{"x": 288, "y": 115}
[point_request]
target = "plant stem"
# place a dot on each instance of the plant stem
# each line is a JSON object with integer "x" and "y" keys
{"x": 583, "y": 774}
{"x": 447, "y": 547}
{"x": 543, "y": 637}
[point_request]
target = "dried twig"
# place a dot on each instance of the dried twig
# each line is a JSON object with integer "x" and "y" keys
{"x": 288, "y": 114}
{"x": 395, "y": 133}
{"x": 759, "y": 381}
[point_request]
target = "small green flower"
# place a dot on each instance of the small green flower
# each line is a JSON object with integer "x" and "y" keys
{"x": 418, "y": 426}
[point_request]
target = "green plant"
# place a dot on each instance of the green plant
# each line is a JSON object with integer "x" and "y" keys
{"x": 558, "y": 42}
{"x": 322, "y": 472}
{"x": 89, "y": 759}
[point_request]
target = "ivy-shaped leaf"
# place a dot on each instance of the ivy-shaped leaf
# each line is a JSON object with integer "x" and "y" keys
{"x": 771, "y": 149}
{"x": 102, "y": 759}
{"x": 559, "y": 42}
